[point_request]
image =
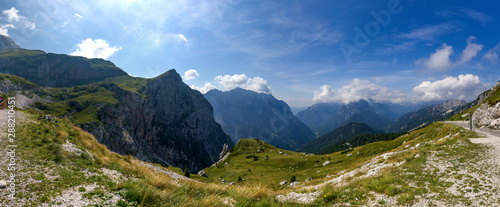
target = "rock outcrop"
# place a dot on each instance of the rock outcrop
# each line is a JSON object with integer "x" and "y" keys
{"x": 486, "y": 116}
{"x": 171, "y": 125}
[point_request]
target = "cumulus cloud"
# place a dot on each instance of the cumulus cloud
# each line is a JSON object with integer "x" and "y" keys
{"x": 325, "y": 95}
{"x": 357, "y": 90}
{"x": 191, "y": 74}
{"x": 256, "y": 84}
{"x": 440, "y": 60}
{"x": 94, "y": 49}
{"x": 206, "y": 88}
{"x": 470, "y": 51}
{"x": 465, "y": 87}
{"x": 15, "y": 21}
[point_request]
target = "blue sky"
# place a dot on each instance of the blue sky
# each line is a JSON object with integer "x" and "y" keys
{"x": 302, "y": 52}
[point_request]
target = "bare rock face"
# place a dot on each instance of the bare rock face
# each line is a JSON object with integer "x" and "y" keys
{"x": 225, "y": 150}
{"x": 486, "y": 116}
{"x": 172, "y": 125}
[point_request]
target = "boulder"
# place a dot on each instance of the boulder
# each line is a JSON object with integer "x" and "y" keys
{"x": 283, "y": 182}
{"x": 202, "y": 173}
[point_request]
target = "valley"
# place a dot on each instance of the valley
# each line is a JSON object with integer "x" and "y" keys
{"x": 249, "y": 103}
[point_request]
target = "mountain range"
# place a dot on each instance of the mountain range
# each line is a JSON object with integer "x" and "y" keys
{"x": 325, "y": 117}
{"x": 247, "y": 114}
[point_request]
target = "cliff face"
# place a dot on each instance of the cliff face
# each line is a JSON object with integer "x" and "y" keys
{"x": 171, "y": 125}
{"x": 55, "y": 70}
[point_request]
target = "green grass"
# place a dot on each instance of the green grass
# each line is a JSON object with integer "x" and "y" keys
{"x": 255, "y": 166}
{"x": 493, "y": 97}
{"x": 20, "y": 53}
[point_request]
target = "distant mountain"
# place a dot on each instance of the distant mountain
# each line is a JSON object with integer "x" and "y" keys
{"x": 7, "y": 43}
{"x": 428, "y": 114}
{"x": 56, "y": 70}
{"x": 247, "y": 114}
{"x": 325, "y": 117}
{"x": 341, "y": 133}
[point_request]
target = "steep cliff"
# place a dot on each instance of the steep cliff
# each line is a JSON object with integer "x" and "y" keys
{"x": 56, "y": 70}
{"x": 167, "y": 123}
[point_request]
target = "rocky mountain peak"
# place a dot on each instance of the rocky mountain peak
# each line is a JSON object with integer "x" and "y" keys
{"x": 7, "y": 43}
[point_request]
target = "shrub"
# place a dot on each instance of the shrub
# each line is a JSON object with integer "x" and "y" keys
{"x": 186, "y": 173}
{"x": 292, "y": 179}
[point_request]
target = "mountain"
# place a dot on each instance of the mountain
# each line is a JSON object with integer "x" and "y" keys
{"x": 247, "y": 114}
{"x": 357, "y": 141}
{"x": 55, "y": 70}
{"x": 160, "y": 120}
{"x": 7, "y": 43}
{"x": 325, "y": 117}
{"x": 341, "y": 133}
{"x": 428, "y": 114}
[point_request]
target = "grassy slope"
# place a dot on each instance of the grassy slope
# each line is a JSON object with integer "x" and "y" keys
{"x": 41, "y": 149}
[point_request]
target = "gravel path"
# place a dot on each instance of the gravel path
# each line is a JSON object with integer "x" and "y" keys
{"x": 492, "y": 138}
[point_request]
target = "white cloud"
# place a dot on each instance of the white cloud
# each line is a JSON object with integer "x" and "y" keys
{"x": 256, "y": 84}
{"x": 94, "y": 49}
{"x": 440, "y": 60}
{"x": 465, "y": 87}
{"x": 15, "y": 19}
{"x": 12, "y": 15}
{"x": 182, "y": 37}
{"x": 4, "y": 29}
{"x": 78, "y": 17}
{"x": 357, "y": 90}
{"x": 191, "y": 74}
{"x": 492, "y": 55}
{"x": 324, "y": 95}
{"x": 206, "y": 88}
{"x": 470, "y": 51}
{"x": 430, "y": 33}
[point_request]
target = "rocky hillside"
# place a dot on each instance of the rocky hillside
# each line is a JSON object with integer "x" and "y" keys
{"x": 247, "y": 114}
{"x": 426, "y": 115}
{"x": 56, "y": 70}
{"x": 7, "y": 43}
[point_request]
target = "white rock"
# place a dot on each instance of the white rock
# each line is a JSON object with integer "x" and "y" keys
{"x": 326, "y": 163}
{"x": 283, "y": 182}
